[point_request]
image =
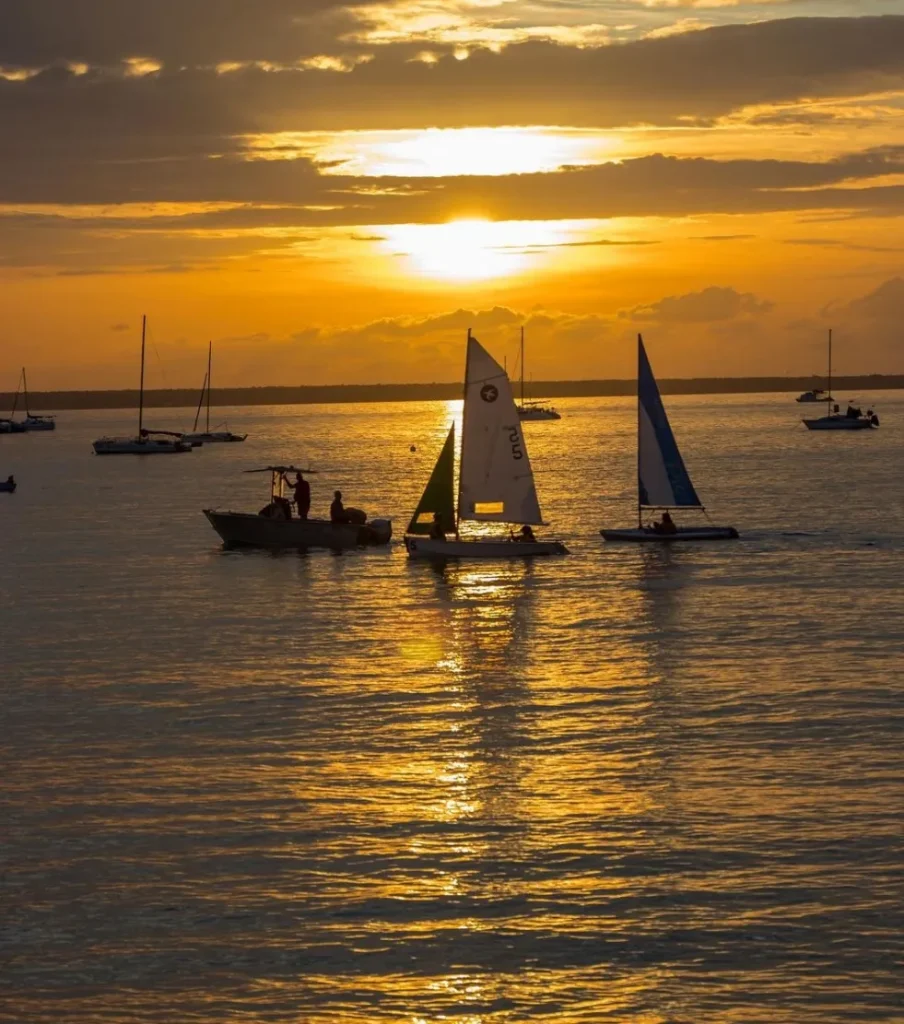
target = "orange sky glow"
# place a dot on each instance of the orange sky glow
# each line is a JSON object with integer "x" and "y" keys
{"x": 333, "y": 193}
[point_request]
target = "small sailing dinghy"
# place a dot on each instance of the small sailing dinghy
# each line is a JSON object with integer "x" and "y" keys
{"x": 853, "y": 419}
{"x": 208, "y": 436}
{"x": 146, "y": 442}
{"x": 663, "y": 482}
{"x": 8, "y": 486}
{"x": 496, "y": 482}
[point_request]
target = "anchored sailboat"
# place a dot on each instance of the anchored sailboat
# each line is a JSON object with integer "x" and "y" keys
{"x": 663, "y": 482}
{"x": 834, "y": 419}
{"x": 533, "y": 409}
{"x": 208, "y": 436}
{"x": 496, "y": 482}
{"x": 146, "y": 442}
{"x": 35, "y": 420}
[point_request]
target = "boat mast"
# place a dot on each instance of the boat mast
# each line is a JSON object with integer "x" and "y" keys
{"x": 200, "y": 403}
{"x": 829, "y": 399}
{"x": 16, "y": 398}
{"x": 144, "y": 323}
{"x": 209, "y": 360}
{"x": 639, "y": 507}
{"x": 25, "y": 392}
{"x": 522, "y": 367}
{"x": 464, "y": 416}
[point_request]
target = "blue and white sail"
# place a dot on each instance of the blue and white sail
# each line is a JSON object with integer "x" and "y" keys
{"x": 662, "y": 479}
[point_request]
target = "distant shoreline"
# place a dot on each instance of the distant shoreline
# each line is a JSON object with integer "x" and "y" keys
{"x": 330, "y": 394}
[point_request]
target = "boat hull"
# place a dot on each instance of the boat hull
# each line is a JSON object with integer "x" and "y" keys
{"x": 7, "y": 488}
{"x": 427, "y": 547}
{"x": 245, "y": 529}
{"x": 134, "y": 446}
{"x": 684, "y": 533}
{"x": 32, "y": 424}
{"x": 214, "y": 437}
{"x": 840, "y": 423}
{"x": 528, "y": 414}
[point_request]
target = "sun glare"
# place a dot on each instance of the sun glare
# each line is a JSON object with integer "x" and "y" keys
{"x": 472, "y": 249}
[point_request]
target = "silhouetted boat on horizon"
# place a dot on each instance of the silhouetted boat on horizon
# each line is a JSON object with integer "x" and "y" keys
{"x": 145, "y": 442}
{"x": 834, "y": 419}
{"x": 208, "y": 436}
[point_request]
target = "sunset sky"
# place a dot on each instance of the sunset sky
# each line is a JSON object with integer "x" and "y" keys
{"x": 333, "y": 193}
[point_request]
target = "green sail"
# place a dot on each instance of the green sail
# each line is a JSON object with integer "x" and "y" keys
{"x": 439, "y": 494}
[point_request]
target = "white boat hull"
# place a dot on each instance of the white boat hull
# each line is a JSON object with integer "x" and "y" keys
{"x": 245, "y": 529}
{"x": 138, "y": 446}
{"x": 39, "y": 423}
{"x": 427, "y": 547}
{"x": 645, "y": 535}
{"x": 840, "y": 423}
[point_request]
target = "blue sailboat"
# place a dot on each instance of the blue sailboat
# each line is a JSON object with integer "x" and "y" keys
{"x": 663, "y": 482}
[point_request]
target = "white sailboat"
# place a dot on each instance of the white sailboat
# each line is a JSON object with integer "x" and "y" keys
{"x": 496, "y": 482}
{"x": 533, "y": 409}
{"x": 834, "y": 419}
{"x": 146, "y": 442}
{"x": 208, "y": 436}
{"x": 663, "y": 482}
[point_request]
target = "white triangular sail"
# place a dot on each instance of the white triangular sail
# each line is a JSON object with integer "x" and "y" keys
{"x": 496, "y": 483}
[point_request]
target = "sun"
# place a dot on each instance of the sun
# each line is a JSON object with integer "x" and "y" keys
{"x": 471, "y": 249}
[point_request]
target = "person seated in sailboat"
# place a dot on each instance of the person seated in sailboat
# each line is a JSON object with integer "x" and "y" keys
{"x": 666, "y": 524}
{"x": 525, "y": 536}
{"x": 853, "y": 413}
{"x": 436, "y": 527}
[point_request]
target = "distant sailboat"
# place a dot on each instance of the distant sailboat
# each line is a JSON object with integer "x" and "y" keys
{"x": 663, "y": 482}
{"x": 35, "y": 420}
{"x": 208, "y": 436}
{"x": 834, "y": 419}
{"x": 533, "y": 409}
{"x": 146, "y": 442}
{"x": 10, "y": 425}
{"x": 496, "y": 482}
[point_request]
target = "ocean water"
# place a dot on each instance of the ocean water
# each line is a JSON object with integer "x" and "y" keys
{"x": 647, "y": 786}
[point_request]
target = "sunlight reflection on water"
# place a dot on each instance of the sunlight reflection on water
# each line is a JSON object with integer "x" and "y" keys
{"x": 626, "y": 785}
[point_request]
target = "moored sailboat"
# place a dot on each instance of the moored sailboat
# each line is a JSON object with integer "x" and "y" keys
{"x": 146, "y": 442}
{"x": 208, "y": 436}
{"x": 533, "y": 409}
{"x": 35, "y": 420}
{"x": 834, "y": 419}
{"x": 663, "y": 482}
{"x": 496, "y": 482}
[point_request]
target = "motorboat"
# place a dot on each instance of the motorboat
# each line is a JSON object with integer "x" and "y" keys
{"x": 533, "y": 409}
{"x": 208, "y": 436}
{"x": 496, "y": 482}
{"x": 276, "y": 528}
{"x": 663, "y": 482}
{"x": 816, "y": 395}
{"x": 852, "y": 419}
{"x": 145, "y": 442}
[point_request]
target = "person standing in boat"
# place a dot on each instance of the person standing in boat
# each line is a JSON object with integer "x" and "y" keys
{"x": 337, "y": 509}
{"x": 302, "y": 490}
